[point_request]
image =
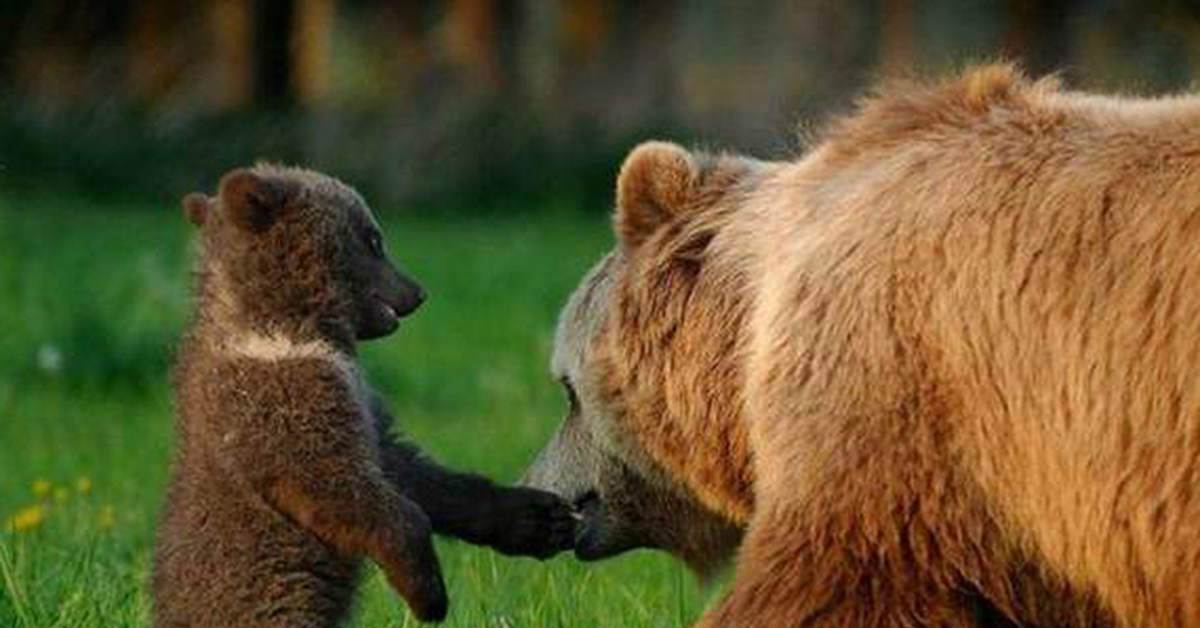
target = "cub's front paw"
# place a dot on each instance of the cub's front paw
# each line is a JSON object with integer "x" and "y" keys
{"x": 531, "y": 522}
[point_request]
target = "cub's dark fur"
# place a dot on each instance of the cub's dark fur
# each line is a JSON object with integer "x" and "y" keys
{"x": 286, "y": 473}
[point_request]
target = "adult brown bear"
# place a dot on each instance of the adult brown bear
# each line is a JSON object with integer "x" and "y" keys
{"x": 945, "y": 364}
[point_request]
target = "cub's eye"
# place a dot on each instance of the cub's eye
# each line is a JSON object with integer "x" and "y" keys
{"x": 572, "y": 396}
{"x": 375, "y": 244}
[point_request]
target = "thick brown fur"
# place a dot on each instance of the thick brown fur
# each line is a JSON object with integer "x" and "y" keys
{"x": 286, "y": 474}
{"x": 961, "y": 340}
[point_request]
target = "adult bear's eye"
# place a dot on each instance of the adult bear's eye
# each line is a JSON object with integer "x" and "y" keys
{"x": 572, "y": 397}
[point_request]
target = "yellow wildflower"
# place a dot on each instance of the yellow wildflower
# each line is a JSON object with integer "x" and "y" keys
{"x": 41, "y": 488}
{"x": 83, "y": 485}
{"x": 28, "y": 518}
{"x": 107, "y": 516}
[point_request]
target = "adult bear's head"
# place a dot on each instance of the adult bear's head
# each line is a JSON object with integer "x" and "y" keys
{"x": 652, "y": 449}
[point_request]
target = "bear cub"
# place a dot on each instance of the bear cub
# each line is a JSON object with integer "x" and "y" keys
{"x": 286, "y": 474}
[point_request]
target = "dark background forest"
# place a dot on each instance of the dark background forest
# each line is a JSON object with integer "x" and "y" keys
{"x": 478, "y": 102}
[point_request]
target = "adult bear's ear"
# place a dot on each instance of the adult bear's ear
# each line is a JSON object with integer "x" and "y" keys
{"x": 251, "y": 201}
{"x": 656, "y": 184}
{"x": 195, "y": 208}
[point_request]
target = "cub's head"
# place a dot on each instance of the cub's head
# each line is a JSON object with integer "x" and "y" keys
{"x": 287, "y": 250}
{"x": 652, "y": 450}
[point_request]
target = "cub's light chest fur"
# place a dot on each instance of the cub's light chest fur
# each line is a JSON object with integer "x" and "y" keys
{"x": 276, "y": 348}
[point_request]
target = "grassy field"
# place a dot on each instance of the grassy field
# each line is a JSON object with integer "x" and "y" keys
{"x": 92, "y": 300}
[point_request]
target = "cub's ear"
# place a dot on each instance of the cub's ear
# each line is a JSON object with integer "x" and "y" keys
{"x": 252, "y": 202}
{"x": 195, "y": 208}
{"x": 656, "y": 183}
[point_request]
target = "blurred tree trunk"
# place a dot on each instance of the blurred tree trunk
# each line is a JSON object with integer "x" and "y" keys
{"x": 1187, "y": 27}
{"x": 474, "y": 40}
{"x": 271, "y": 53}
{"x": 272, "y": 45}
{"x": 586, "y": 25}
{"x": 230, "y": 22}
{"x": 1038, "y": 34}
{"x": 640, "y": 59}
{"x": 897, "y": 37}
{"x": 412, "y": 47}
{"x": 312, "y": 35}
{"x": 61, "y": 48}
{"x": 150, "y": 71}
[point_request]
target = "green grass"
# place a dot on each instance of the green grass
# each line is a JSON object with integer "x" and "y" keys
{"x": 92, "y": 301}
